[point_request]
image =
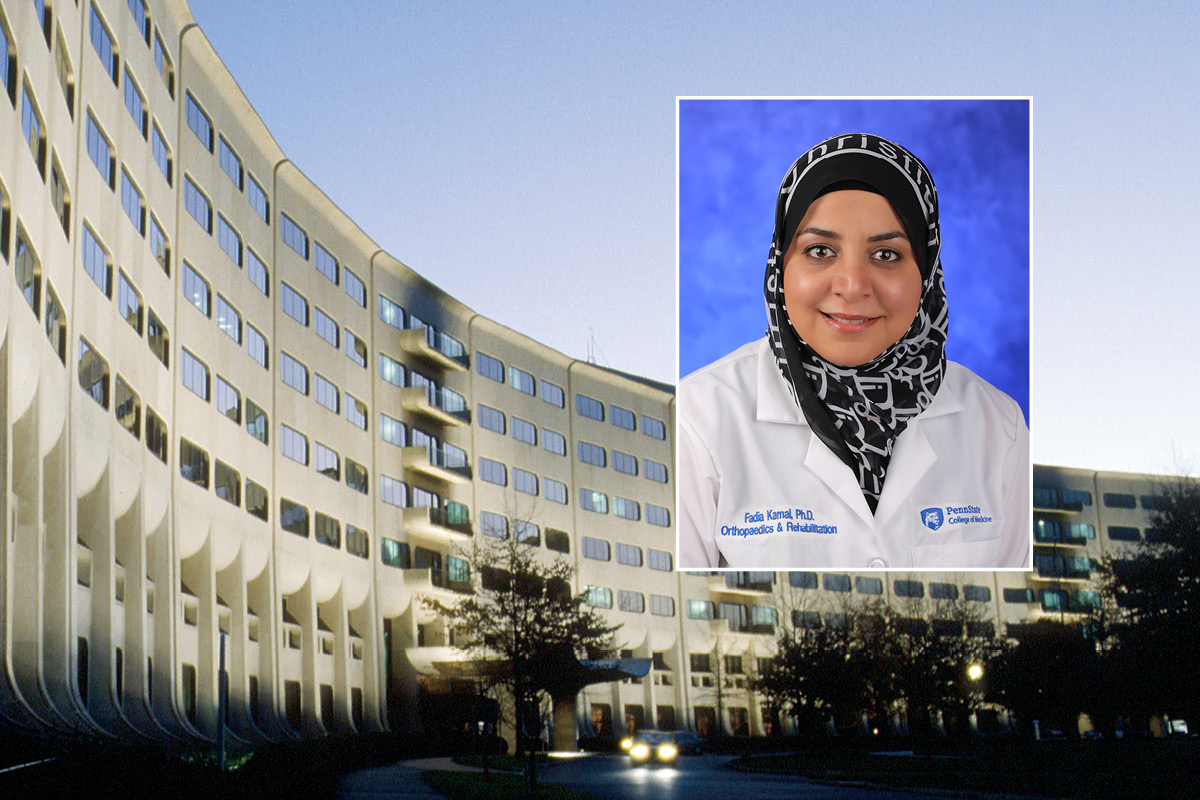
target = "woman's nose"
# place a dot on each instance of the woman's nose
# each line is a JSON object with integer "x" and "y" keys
{"x": 851, "y": 279}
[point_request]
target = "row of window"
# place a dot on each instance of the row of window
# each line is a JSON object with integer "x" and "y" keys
{"x": 633, "y": 602}
{"x": 225, "y": 480}
{"x": 756, "y": 619}
{"x": 589, "y": 499}
{"x": 294, "y": 518}
{"x": 27, "y": 271}
{"x": 231, "y": 164}
{"x": 834, "y": 582}
{"x": 631, "y": 555}
{"x": 1053, "y": 531}
{"x": 625, "y": 463}
{"x": 621, "y": 417}
{"x": 197, "y": 379}
{"x": 1124, "y": 533}
{"x": 1054, "y": 599}
{"x": 1150, "y": 502}
{"x": 393, "y": 314}
{"x": 94, "y": 379}
{"x": 199, "y": 207}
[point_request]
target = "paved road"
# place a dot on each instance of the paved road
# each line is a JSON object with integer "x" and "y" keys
{"x": 611, "y": 777}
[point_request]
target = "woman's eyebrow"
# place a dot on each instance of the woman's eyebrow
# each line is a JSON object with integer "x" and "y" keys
{"x": 883, "y": 237}
{"x": 819, "y": 232}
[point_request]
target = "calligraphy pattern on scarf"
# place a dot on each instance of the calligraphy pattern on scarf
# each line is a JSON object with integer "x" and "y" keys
{"x": 859, "y": 411}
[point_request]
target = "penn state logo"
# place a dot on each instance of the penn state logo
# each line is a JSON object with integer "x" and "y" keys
{"x": 932, "y": 518}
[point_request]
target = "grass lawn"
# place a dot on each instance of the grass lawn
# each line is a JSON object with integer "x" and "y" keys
{"x": 471, "y": 786}
{"x": 1083, "y": 770}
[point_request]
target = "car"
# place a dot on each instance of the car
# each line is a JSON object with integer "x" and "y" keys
{"x": 652, "y": 747}
{"x": 688, "y": 742}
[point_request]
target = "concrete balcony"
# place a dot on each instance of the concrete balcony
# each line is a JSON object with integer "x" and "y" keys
{"x": 432, "y": 579}
{"x": 753, "y": 584}
{"x": 438, "y": 523}
{"x": 437, "y": 404}
{"x": 436, "y": 348}
{"x": 434, "y": 463}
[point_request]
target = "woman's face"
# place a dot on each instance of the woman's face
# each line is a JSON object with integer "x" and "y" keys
{"x": 850, "y": 282}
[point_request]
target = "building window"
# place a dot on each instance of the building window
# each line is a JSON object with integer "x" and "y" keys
{"x": 193, "y": 463}
{"x": 102, "y": 42}
{"x": 197, "y": 204}
{"x": 976, "y": 594}
{"x": 623, "y": 462}
{"x": 230, "y": 163}
{"x": 293, "y": 373}
{"x": 96, "y": 262}
{"x": 392, "y": 430}
{"x": 161, "y": 153}
{"x": 634, "y": 602}
{"x": 597, "y": 549}
{"x": 735, "y": 614}
{"x": 160, "y": 248}
{"x": 28, "y": 272}
{"x": 325, "y": 327}
{"x": 592, "y": 454}
{"x": 128, "y": 408}
{"x": 257, "y": 424}
{"x": 194, "y": 374}
{"x": 256, "y": 346}
{"x": 156, "y": 435}
{"x": 326, "y": 393}
{"x": 135, "y": 104}
{"x": 589, "y": 407}
{"x": 357, "y": 542}
{"x": 552, "y": 393}
{"x": 699, "y": 609}
{"x": 659, "y": 559}
{"x": 622, "y": 418}
{"x": 868, "y": 585}
{"x": 524, "y": 431}
{"x": 257, "y": 272}
{"x": 598, "y": 597}
{"x": 1122, "y": 533}
{"x": 394, "y": 554}
{"x": 654, "y": 470}
{"x": 229, "y": 240}
{"x": 1022, "y": 595}
{"x": 629, "y": 554}
{"x": 491, "y": 419}
{"x": 554, "y": 442}
{"x": 393, "y": 492}
{"x": 258, "y": 200}
{"x": 554, "y": 491}
{"x": 835, "y": 583}
{"x": 355, "y": 348}
{"x": 654, "y": 427}
{"x": 293, "y": 517}
{"x": 522, "y": 381}
{"x": 199, "y": 122}
{"x": 493, "y": 524}
{"x": 493, "y": 471}
{"x": 590, "y": 500}
{"x": 196, "y": 289}
{"x": 229, "y": 320}
{"x": 558, "y": 541}
{"x": 355, "y": 288}
{"x": 526, "y": 532}
{"x": 525, "y": 482}
{"x": 626, "y": 508}
{"x": 256, "y": 500}
{"x": 1117, "y": 500}
{"x": 909, "y": 588}
{"x": 489, "y": 367}
{"x": 60, "y": 197}
{"x": 293, "y": 444}
{"x": 100, "y": 152}
{"x": 8, "y": 64}
{"x": 62, "y": 63}
{"x": 56, "y": 324}
{"x": 391, "y": 370}
{"x": 356, "y": 476}
{"x": 943, "y": 591}
{"x": 34, "y": 131}
{"x": 327, "y": 462}
{"x": 356, "y": 412}
{"x": 325, "y": 263}
{"x": 293, "y": 304}
{"x": 391, "y": 313}
{"x": 227, "y": 483}
{"x": 158, "y": 339}
{"x": 293, "y": 235}
{"x": 662, "y": 606}
{"x": 228, "y": 400}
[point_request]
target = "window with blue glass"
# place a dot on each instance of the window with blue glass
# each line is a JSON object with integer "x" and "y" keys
{"x": 230, "y": 163}
{"x": 524, "y": 431}
{"x": 258, "y": 200}
{"x": 325, "y": 263}
{"x": 132, "y": 202}
{"x": 493, "y": 471}
{"x": 552, "y": 393}
{"x": 592, "y": 454}
{"x": 554, "y": 491}
{"x": 491, "y": 418}
{"x": 135, "y": 104}
{"x": 293, "y": 235}
{"x": 199, "y": 122}
{"x": 391, "y": 313}
{"x": 622, "y": 418}
{"x": 657, "y": 515}
{"x": 96, "y": 262}
{"x": 100, "y": 151}
{"x": 554, "y": 441}
{"x": 522, "y": 381}
{"x": 257, "y": 272}
{"x": 653, "y": 427}
{"x": 623, "y": 462}
{"x": 489, "y": 367}
{"x": 196, "y": 289}
{"x": 293, "y": 304}
{"x": 102, "y": 43}
{"x": 354, "y": 287}
{"x": 589, "y": 407}
{"x": 197, "y": 204}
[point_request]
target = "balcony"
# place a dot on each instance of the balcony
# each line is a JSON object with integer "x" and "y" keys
{"x": 436, "y": 463}
{"x": 435, "y": 347}
{"x": 747, "y": 583}
{"x": 426, "y": 579}
{"x": 437, "y": 522}
{"x": 436, "y": 403}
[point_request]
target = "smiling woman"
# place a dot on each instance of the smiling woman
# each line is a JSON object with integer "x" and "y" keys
{"x": 845, "y": 439}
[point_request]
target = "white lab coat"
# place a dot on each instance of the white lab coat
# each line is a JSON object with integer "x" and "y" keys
{"x": 757, "y": 489}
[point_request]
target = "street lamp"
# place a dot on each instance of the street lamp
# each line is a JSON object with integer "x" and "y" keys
{"x": 975, "y": 672}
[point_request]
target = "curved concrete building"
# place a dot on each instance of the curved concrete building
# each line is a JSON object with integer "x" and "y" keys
{"x": 225, "y": 410}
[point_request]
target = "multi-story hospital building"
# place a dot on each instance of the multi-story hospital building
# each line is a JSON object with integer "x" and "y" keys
{"x": 225, "y": 410}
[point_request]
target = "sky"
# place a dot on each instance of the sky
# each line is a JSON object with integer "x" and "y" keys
{"x": 523, "y": 157}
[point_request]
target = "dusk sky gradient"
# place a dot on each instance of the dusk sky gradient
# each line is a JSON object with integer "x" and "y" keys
{"x": 523, "y": 158}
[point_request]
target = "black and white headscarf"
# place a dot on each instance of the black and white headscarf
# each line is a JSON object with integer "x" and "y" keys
{"x": 859, "y": 411}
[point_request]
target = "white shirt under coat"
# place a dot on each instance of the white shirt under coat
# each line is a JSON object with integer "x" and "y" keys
{"x": 757, "y": 488}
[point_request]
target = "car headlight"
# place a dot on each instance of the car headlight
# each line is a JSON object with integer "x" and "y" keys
{"x": 627, "y": 742}
{"x": 667, "y": 751}
{"x": 639, "y": 751}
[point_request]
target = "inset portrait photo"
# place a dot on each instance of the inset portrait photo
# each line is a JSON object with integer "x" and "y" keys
{"x": 854, "y": 333}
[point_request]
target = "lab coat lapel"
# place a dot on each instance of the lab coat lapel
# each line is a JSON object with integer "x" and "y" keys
{"x": 830, "y": 470}
{"x": 912, "y": 458}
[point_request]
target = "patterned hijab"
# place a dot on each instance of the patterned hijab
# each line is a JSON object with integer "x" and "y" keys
{"x": 859, "y": 411}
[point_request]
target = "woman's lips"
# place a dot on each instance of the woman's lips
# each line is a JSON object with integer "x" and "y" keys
{"x": 849, "y": 323}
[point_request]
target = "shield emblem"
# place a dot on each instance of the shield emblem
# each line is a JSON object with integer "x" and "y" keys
{"x": 932, "y": 518}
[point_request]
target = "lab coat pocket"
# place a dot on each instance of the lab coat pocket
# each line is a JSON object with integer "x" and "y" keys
{"x": 980, "y": 554}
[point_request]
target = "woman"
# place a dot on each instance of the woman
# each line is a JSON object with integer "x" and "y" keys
{"x": 844, "y": 439}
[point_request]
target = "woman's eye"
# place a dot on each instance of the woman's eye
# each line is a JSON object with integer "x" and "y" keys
{"x": 887, "y": 255}
{"x": 819, "y": 251}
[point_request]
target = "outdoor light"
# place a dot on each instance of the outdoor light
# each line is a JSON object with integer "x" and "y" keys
{"x": 975, "y": 672}
{"x": 667, "y": 751}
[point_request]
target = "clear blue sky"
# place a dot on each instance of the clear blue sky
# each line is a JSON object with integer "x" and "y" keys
{"x": 524, "y": 159}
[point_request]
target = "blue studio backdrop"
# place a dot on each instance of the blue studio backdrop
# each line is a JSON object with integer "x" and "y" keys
{"x": 733, "y": 155}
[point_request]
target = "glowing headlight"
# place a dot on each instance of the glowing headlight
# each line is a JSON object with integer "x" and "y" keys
{"x": 639, "y": 751}
{"x": 667, "y": 751}
{"x": 627, "y": 742}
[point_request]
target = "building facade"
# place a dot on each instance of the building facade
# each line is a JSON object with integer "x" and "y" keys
{"x": 227, "y": 412}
